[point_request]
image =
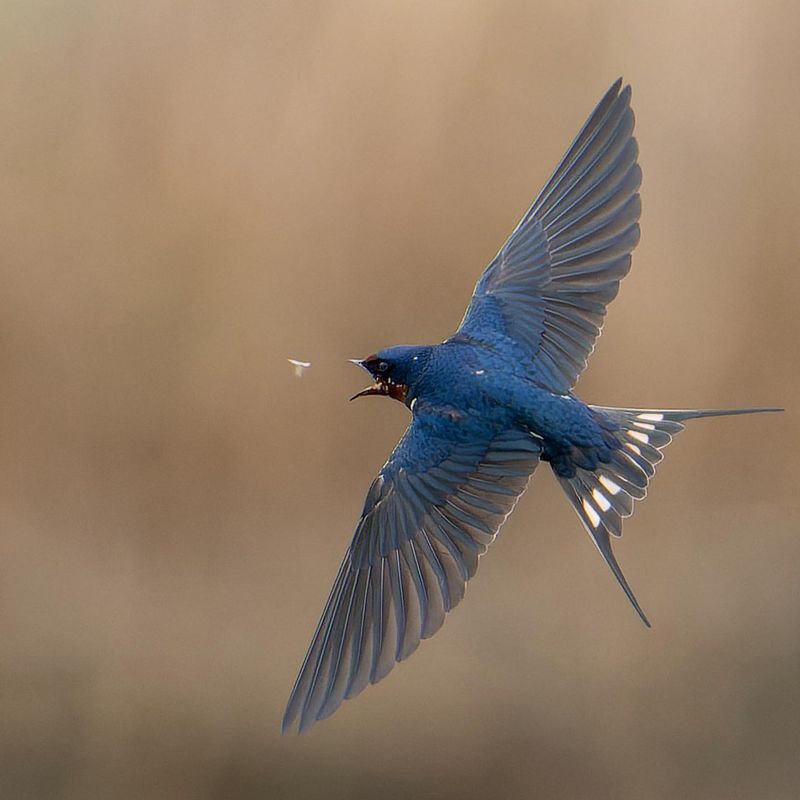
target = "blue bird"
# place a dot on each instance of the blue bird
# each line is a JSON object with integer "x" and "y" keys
{"x": 488, "y": 404}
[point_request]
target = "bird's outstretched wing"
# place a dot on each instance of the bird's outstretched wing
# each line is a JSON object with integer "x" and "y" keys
{"x": 432, "y": 511}
{"x": 548, "y": 287}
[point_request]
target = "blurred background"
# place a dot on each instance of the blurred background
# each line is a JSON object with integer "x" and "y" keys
{"x": 192, "y": 193}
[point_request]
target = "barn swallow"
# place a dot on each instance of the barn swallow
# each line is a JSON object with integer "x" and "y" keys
{"x": 487, "y": 405}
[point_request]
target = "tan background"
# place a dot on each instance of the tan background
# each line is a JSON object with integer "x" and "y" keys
{"x": 189, "y": 195}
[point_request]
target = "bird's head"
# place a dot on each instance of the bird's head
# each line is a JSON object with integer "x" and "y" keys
{"x": 395, "y": 371}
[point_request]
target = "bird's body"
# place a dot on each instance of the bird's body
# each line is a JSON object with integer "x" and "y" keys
{"x": 488, "y": 404}
{"x": 490, "y": 388}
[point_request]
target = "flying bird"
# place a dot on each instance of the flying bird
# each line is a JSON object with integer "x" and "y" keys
{"x": 487, "y": 405}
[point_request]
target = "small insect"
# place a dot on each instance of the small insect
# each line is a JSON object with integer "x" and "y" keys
{"x": 299, "y": 366}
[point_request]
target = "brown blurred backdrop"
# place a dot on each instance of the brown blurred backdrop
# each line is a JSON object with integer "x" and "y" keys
{"x": 190, "y": 194}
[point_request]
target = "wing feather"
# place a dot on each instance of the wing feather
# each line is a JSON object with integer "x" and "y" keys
{"x": 429, "y": 515}
{"x": 547, "y": 290}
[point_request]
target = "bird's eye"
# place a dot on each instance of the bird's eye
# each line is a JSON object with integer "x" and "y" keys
{"x": 383, "y": 366}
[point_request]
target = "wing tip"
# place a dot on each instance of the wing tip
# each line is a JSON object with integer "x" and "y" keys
{"x": 287, "y": 723}
{"x": 615, "y": 87}
{"x": 619, "y": 88}
{"x": 297, "y": 720}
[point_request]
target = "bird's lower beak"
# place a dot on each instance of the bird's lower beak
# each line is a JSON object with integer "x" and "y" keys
{"x": 376, "y": 388}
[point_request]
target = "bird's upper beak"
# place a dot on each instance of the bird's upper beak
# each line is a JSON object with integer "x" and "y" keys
{"x": 377, "y": 388}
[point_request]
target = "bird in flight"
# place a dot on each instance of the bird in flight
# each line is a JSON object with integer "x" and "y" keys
{"x": 487, "y": 405}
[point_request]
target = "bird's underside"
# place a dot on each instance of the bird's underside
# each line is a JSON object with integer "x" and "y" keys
{"x": 454, "y": 477}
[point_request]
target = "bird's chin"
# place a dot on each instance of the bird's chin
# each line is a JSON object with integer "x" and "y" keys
{"x": 397, "y": 391}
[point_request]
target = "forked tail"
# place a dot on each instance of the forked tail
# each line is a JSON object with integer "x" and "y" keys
{"x": 603, "y": 497}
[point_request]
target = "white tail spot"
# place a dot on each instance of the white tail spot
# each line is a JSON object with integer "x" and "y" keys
{"x": 610, "y": 485}
{"x": 645, "y": 426}
{"x": 651, "y": 417}
{"x": 480, "y": 371}
{"x": 600, "y": 499}
{"x": 634, "y": 448}
{"x": 594, "y": 517}
{"x": 640, "y": 437}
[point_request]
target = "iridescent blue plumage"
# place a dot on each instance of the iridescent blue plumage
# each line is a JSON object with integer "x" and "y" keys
{"x": 487, "y": 405}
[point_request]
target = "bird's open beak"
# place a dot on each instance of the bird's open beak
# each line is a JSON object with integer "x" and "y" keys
{"x": 376, "y": 388}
